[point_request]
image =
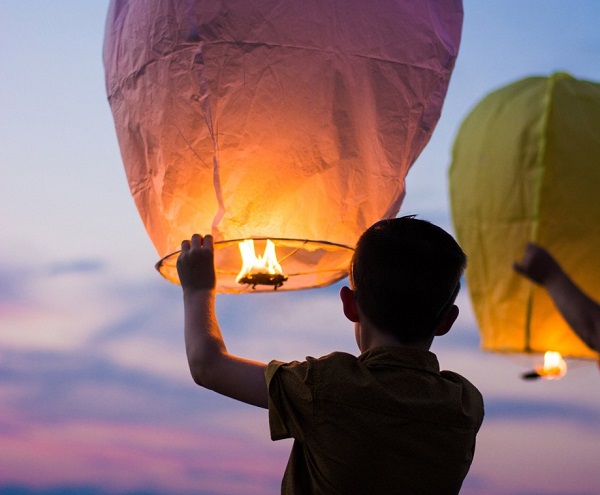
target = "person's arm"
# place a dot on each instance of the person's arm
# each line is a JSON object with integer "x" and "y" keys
{"x": 580, "y": 312}
{"x": 210, "y": 364}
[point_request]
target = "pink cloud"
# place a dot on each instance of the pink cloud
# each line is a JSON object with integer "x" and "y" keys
{"x": 121, "y": 457}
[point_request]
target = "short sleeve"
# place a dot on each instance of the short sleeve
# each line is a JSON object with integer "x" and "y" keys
{"x": 291, "y": 399}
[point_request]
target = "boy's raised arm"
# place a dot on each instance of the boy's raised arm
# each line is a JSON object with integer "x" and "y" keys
{"x": 210, "y": 364}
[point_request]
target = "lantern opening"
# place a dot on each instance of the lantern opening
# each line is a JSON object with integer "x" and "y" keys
{"x": 260, "y": 270}
{"x": 554, "y": 367}
{"x": 300, "y": 263}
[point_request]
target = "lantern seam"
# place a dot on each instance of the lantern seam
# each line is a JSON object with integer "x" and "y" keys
{"x": 537, "y": 193}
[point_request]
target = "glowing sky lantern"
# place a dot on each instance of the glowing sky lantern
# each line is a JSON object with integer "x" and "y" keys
{"x": 287, "y": 121}
{"x": 526, "y": 167}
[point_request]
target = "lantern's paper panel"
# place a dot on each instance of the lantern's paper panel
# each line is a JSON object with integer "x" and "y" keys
{"x": 526, "y": 167}
{"x": 275, "y": 119}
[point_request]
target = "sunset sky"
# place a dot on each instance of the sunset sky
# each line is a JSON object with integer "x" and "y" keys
{"x": 95, "y": 393}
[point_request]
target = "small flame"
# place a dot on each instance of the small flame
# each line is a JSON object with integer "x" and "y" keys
{"x": 263, "y": 270}
{"x": 554, "y": 366}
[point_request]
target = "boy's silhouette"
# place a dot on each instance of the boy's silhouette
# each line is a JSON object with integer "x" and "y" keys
{"x": 386, "y": 422}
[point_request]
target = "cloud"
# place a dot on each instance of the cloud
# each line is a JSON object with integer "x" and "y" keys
{"x": 129, "y": 457}
{"x": 503, "y": 408}
{"x": 286, "y": 325}
{"x": 56, "y": 387}
{"x": 66, "y": 306}
{"x": 76, "y": 266}
{"x": 60, "y": 490}
{"x": 82, "y": 419}
{"x": 13, "y": 293}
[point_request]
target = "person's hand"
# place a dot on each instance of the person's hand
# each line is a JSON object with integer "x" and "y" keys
{"x": 537, "y": 264}
{"x": 195, "y": 264}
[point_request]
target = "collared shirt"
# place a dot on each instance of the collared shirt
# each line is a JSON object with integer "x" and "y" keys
{"x": 387, "y": 422}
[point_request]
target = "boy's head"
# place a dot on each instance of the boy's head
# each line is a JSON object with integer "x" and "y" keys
{"x": 405, "y": 273}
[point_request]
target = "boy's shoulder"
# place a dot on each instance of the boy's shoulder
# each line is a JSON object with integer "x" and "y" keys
{"x": 391, "y": 358}
{"x": 386, "y": 364}
{"x": 311, "y": 369}
{"x": 403, "y": 382}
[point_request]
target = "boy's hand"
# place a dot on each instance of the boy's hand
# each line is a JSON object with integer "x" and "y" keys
{"x": 195, "y": 265}
{"x": 537, "y": 264}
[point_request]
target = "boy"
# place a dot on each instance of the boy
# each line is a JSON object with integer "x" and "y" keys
{"x": 386, "y": 422}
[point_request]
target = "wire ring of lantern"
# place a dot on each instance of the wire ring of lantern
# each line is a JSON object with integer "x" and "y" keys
{"x": 330, "y": 263}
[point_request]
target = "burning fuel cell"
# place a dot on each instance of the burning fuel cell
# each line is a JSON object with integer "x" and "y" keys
{"x": 553, "y": 368}
{"x": 260, "y": 270}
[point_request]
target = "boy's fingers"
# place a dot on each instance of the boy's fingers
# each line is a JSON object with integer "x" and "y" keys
{"x": 185, "y": 245}
{"x": 196, "y": 241}
{"x": 208, "y": 242}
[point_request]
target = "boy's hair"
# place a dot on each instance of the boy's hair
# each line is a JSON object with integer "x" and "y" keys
{"x": 406, "y": 275}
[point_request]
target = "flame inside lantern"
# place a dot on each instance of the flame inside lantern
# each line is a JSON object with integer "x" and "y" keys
{"x": 260, "y": 270}
{"x": 554, "y": 366}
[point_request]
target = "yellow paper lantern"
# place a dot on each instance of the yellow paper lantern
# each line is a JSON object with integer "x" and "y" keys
{"x": 526, "y": 167}
{"x": 289, "y": 121}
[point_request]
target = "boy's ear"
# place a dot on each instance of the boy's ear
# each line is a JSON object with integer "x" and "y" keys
{"x": 447, "y": 321}
{"x": 349, "y": 304}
